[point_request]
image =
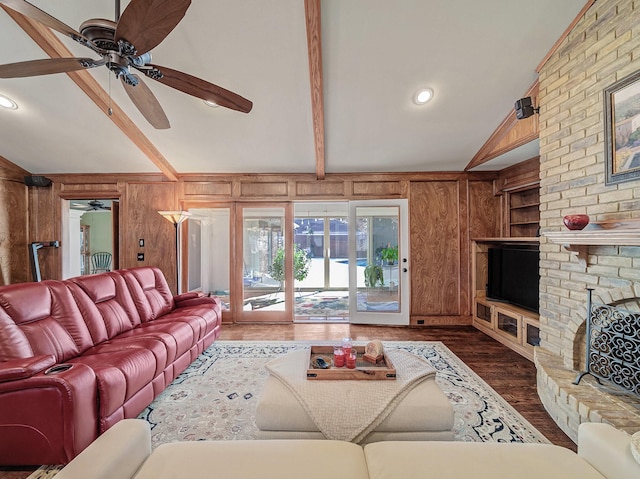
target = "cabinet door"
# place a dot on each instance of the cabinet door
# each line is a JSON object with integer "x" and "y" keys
{"x": 508, "y": 323}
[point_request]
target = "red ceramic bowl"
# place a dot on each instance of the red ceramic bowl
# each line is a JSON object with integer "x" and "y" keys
{"x": 576, "y": 222}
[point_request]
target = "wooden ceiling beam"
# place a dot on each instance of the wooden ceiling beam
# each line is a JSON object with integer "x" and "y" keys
{"x": 53, "y": 47}
{"x": 314, "y": 48}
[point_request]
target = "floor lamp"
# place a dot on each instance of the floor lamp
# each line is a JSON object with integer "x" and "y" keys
{"x": 177, "y": 218}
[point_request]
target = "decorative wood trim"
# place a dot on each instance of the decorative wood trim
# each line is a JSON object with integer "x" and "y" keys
{"x": 47, "y": 40}
{"x": 522, "y": 175}
{"x": 11, "y": 172}
{"x": 510, "y": 134}
{"x": 314, "y": 47}
{"x": 565, "y": 34}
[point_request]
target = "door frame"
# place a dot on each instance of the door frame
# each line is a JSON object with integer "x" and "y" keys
{"x": 404, "y": 278}
{"x": 237, "y": 300}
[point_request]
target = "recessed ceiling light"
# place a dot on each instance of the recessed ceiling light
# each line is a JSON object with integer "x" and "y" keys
{"x": 423, "y": 96}
{"x": 6, "y": 102}
{"x": 212, "y": 104}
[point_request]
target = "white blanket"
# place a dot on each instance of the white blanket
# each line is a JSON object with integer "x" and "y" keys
{"x": 348, "y": 410}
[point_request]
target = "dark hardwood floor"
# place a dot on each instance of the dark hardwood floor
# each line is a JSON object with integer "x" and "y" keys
{"x": 510, "y": 374}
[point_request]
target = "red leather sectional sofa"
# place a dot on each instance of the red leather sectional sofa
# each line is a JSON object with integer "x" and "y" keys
{"x": 77, "y": 356}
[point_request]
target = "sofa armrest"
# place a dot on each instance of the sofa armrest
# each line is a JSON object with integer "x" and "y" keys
{"x": 48, "y": 418}
{"x": 185, "y": 296}
{"x": 117, "y": 454}
{"x": 195, "y": 300}
{"x": 608, "y": 450}
{"x": 22, "y": 368}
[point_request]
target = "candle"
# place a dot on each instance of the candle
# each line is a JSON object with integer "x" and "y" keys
{"x": 338, "y": 357}
{"x": 351, "y": 359}
{"x": 346, "y": 346}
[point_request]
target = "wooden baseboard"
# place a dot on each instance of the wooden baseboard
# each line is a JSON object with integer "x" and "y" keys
{"x": 440, "y": 320}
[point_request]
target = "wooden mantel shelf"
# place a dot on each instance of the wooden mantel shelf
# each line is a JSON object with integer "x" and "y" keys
{"x": 616, "y": 233}
{"x": 606, "y": 233}
{"x": 626, "y": 237}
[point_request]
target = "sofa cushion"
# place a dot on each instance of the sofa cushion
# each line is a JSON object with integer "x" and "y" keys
{"x": 122, "y": 369}
{"x": 394, "y": 459}
{"x": 177, "y": 337}
{"x": 40, "y": 319}
{"x": 150, "y": 292}
{"x": 106, "y": 305}
{"x": 276, "y": 459}
{"x": 200, "y": 325}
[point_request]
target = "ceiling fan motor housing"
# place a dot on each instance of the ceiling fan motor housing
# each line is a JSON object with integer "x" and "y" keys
{"x": 101, "y": 32}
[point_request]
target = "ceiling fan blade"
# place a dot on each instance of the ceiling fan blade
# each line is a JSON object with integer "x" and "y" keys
{"x": 202, "y": 89}
{"x": 47, "y": 66}
{"x": 33, "y": 12}
{"x": 145, "y": 23}
{"x": 144, "y": 99}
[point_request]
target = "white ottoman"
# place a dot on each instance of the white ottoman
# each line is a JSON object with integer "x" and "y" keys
{"x": 425, "y": 414}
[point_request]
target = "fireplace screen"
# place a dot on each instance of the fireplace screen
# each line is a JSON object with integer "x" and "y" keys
{"x": 613, "y": 346}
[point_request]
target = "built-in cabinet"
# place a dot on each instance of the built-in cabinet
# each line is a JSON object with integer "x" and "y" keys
{"x": 519, "y": 191}
{"x": 515, "y": 327}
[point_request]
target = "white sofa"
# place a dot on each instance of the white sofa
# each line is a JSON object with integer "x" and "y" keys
{"x": 125, "y": 452}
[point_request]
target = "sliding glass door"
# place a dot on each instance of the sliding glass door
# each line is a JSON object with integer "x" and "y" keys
{"x": 315, "y": 261}
{"x": 321, "y": 259}
{"x": 264, "y": 249}
{"x": 209, "y": 252}
{"x": 379, "y": 262}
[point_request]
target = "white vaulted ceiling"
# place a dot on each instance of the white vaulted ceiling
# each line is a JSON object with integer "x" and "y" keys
{"x": 478, "y": 57}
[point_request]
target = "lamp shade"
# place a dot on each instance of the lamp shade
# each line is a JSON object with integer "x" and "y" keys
{"x": 176, "y": 217}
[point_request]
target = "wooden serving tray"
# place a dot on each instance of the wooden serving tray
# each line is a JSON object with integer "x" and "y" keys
{"x": 364, "y": 369}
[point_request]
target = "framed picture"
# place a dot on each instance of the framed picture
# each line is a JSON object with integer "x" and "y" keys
{"x": 622, "y": 129}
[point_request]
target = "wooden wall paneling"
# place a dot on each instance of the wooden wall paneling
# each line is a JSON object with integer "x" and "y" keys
{"x": 485, "y": 221}
{"x": 44, "y": 219}
{"x": 320, "y": 189}
{"x": 140, "y": 219}
{"x": 377, "y": 188}
{"x": 210, "y": 189}
{"x": 435, "y": 248}
{"x": 84, "y": 189}
{"x": 278, "y": 189}
{"x": 463, "y": 239}
{"x": 484, "y": 210}
{"x": 14, "y": 228}
{"x": 14, "y": 224}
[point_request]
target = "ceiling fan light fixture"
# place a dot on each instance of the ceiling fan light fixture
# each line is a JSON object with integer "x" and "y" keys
{"x": 210, "y": 103}
{"x": 8, "y": 103}
{"x": 422, "y": 96}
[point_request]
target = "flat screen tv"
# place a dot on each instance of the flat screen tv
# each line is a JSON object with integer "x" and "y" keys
{"x": 514, "y": 276}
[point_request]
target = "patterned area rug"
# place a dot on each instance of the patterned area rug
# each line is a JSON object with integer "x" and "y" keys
{"x": 215, "y": 398}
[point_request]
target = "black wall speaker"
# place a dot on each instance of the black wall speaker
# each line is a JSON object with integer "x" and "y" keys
{"x": 524, "y": 108}
{"x": 37, "y": 181}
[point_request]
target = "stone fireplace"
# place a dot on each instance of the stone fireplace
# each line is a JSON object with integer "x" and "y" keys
{"x": 562, "y": 355}
{"x": 605, "y": 255}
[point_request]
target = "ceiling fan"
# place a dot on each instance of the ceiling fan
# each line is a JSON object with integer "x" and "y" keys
{"x": 123, "y": 46}
{"x": 97, "y": 205}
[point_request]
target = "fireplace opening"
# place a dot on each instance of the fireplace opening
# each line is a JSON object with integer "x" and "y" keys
{"x": 612, "y": 349}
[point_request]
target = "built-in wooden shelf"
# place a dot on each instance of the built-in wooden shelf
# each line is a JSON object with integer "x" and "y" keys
{"x": 509, "y": 239}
